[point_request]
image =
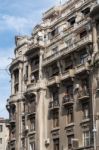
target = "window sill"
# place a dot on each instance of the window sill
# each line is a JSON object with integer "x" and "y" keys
{"x": 69, "y": 125}
{"x": 85, "y": 120}
{"x": 55, "y": 129}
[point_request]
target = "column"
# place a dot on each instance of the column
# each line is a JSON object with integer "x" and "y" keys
{"x": 41, "y": 127}
{"x": 29, "y": 72}
{"x": 12, "y": 84}
{"x": 94, "y": 34}
{"x": 20, "y": 79}
{"x": 40, "y": 64}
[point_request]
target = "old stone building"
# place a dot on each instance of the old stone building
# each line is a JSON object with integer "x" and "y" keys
{"x": 54, "y": 102}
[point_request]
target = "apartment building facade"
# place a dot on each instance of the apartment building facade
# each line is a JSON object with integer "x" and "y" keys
{"x": 55, "y": 81}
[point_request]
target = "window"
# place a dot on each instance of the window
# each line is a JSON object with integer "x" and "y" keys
{"x": 32, "y": 106}
{"x": 69, "y": 42}
{"x": 55, "y": 94}
{"x": 83, "y": 57}
{"x": 70, "y": 137}
{"x": 54, "y": 70}
{"x": 85, "y": 109}
{"x": 32, "y": 124}
{"x": 70, "y": 116}
{"x": 52, "y": 34}
{"x": 56, "y": 144}
{"x": 1, "y": 128}
{"x": 86, "y": 138}
{"x": 16, "y": 80}
{"x": 72, "y": 21}
{"x": 68, "y": 63}
{"x": 26, "y": 76}
{"x": 55, "y": 118}
{"x": 16, "y": 76}
{"x": 69, "y": 90}
{"x": 35, "y": 76}
{"x": 55, "y": 49}
{"x": 86, "y": 11}
{"x": 32, "y": 146}
{"x": 0, "y": 140}
{"x": 34, "y": 62}
{"x": 83, "y": 34}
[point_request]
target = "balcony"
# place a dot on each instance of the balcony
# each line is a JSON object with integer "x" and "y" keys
{"x": 32, "y": 86}
{"x": 83, "y": 94}
{"x": 50, "y": 12}
{"x": 67, "y": 100}
{"x": 70, "y": 73}
{"x": 32, "y": 131}
{"x": 15, "y": 62}
{"x": 36, "y": 44}
{"x": 64, "y": 50}
{"x": 81, "y": 68}
{"x": 84, "y": 22}
{"x": 53, "y": 80}
{"x": 54, "y": 105}
{"x": 32, "y": 110}
{"x": 12, "y": 118}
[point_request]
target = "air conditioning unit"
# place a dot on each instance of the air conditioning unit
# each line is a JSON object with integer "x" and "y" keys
{"x": 47, "y": 141}
{"x": 57, "y": 79}
{"x": 26, "y": 128}
{"x": 72, "y": 72}
{"x": 75, "y": 143}
{"x": 76, "y": 86}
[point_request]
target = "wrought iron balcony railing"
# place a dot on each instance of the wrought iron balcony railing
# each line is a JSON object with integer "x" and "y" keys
{"x": 54, "y": 104}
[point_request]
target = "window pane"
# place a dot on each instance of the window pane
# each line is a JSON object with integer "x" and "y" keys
{"x": 70, "y": 116}
{"x": 86, "y": 138}
{"x": 55, "y": 119}
{"x": 0, "y": 140}
{"x": 1, "y": 128}
{"x": 56, "y": 144}
{"x": 70, "y": 137}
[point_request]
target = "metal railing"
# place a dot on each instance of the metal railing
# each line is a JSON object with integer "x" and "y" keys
{"x": 53, "y": 104}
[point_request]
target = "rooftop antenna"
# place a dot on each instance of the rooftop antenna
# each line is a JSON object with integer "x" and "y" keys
{"x": 60, "y": 3}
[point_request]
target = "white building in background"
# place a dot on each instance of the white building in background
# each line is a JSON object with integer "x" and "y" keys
{"x": 4, "y": 134}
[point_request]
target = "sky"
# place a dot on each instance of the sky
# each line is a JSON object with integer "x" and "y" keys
{"x": 17, "y": 17}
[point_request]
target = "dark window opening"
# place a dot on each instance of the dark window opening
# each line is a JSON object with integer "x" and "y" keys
{"x": 72, "y": 21}
{"x": 83, "y": 34}
{"x": 34, "y": 77}
{"x": 85, "y": 109}
{"x": 52, "y": 34}
{"x": 34, "y": 62}
{"x": 68, "y": 64}
{"x": 55, "y": 70}
{"x": 55, "y": 118}
{"x": 70, "y": 137}
{"x": 83, "y": 57}
{"x": 70, "y": 115}
{"x": 16, "y": 81}
{"x": 32, "y": 124}
{"x": 56, "y": 144}
{"x": 86, "y": 11}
